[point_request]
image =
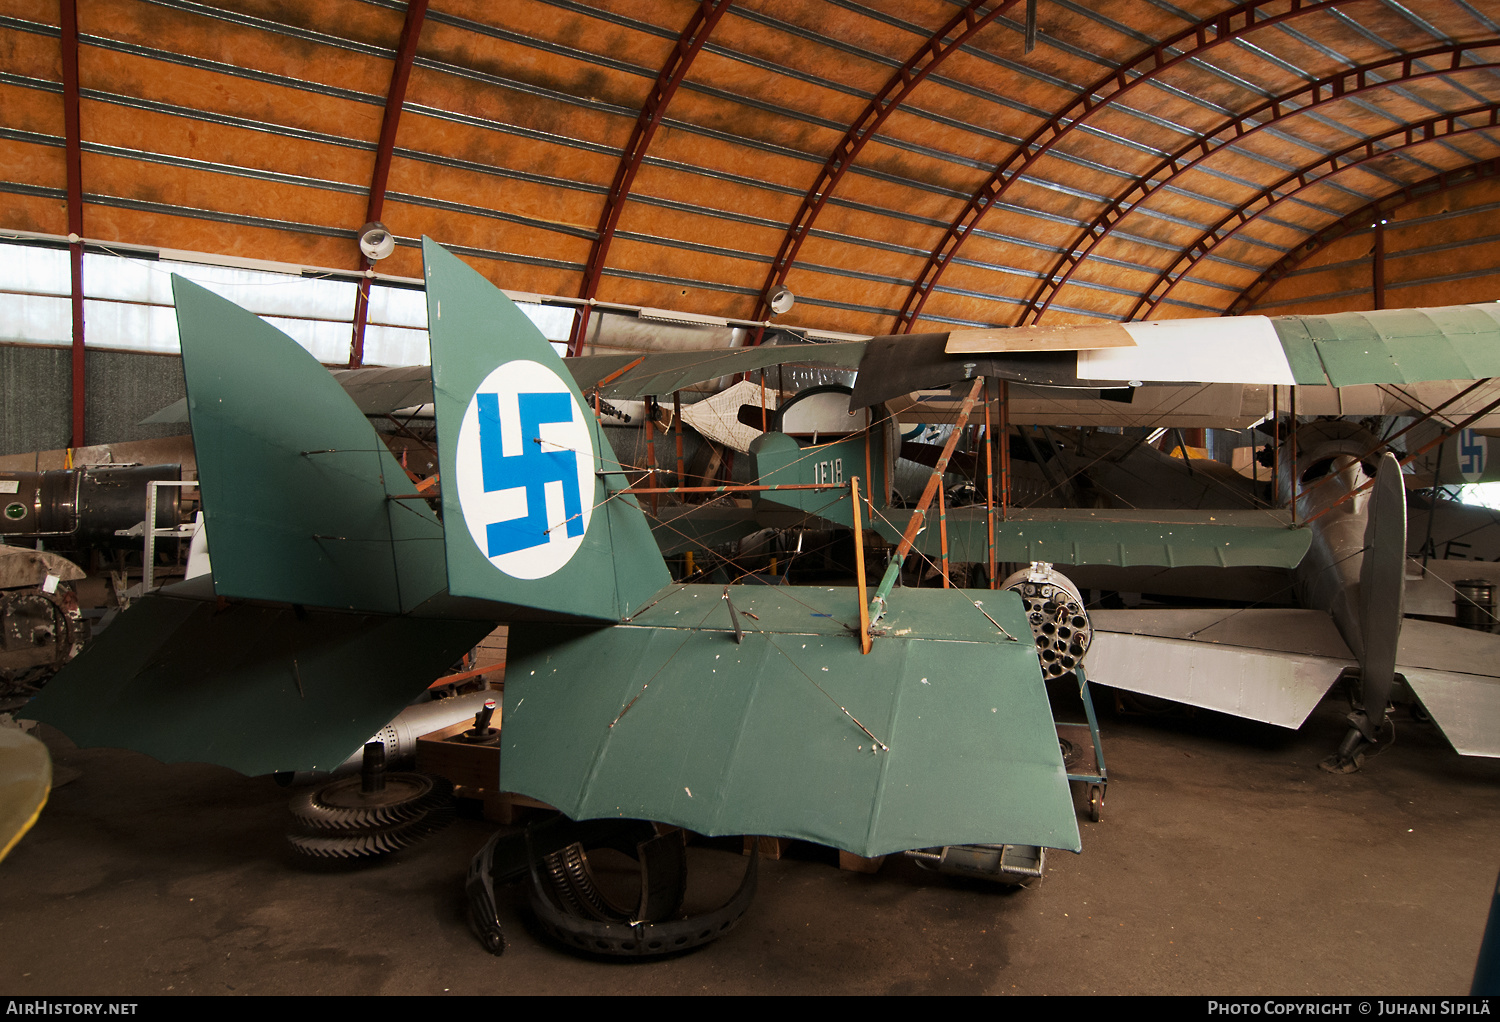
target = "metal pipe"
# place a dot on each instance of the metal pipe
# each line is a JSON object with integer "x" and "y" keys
{"x": 73, "y": 158}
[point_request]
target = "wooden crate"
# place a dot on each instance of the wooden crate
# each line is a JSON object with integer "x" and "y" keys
{"x": 474, "y": 771}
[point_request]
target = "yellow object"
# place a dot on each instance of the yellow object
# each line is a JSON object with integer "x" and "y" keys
{"x": 25, "y": 781}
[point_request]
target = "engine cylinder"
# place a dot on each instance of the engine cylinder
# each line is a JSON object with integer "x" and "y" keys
{"x": 1059, "y": 624}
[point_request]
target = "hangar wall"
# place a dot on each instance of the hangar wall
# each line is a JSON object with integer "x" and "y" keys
{"x": 123, "y": 387}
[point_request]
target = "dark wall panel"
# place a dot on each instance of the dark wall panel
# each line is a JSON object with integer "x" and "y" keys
{"x": 35, "y": 406}
{"x": 123, "y": 388}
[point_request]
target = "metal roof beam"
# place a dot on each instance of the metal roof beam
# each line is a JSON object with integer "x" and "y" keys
{"x": 668, "y": 80}
{"x": 68, "y": 40}
{"x": 1415, "y": 134}
{"x": 1216, "y": 30}
{"x": 1332, "y": 89}
{"x": 395, "y": 99}
{"x": 927, "y": 58}
{"x": 1356, "y": 221}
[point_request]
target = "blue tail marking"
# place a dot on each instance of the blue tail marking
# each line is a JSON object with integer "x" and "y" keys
{"x": 532, "y": 469}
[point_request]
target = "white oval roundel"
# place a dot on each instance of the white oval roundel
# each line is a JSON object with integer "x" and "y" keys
{"x": 525, "y": 463}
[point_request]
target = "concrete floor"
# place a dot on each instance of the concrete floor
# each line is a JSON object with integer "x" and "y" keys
{"x": 1226, "y": 863}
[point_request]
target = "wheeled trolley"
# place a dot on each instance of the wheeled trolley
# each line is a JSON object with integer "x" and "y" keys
{"x": 1083, "y": 755}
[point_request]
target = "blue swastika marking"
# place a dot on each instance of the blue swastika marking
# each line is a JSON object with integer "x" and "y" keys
{"x": 532, "y": 469}
{"x": 1471, "y": 451}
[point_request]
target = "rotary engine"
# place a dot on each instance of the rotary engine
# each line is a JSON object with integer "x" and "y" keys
{"x": 1059, "y": 624}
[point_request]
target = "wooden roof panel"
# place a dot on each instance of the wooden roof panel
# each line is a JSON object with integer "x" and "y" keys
{"x": 149, "y": 131}
{"x": 198, "y": 189}
{"x": 30, "y": 163}
{"x": 514, "y": 198}
{"x": 515, "y": 124}
{"x": 502, "y": 149}
{"x": 33, "y": 110}
{"x": 38, "y": 213}
{"x": 200, "y": 234}
{"x": 26, "y": 52}
{"x": 216, "y": 92}
{"x": 379, "y": 27}
{"x": 199, "y": 35}
{"x": 491, "y": 231}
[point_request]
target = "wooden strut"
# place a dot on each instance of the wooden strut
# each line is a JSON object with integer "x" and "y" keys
{"x": 989, "y": 482}
{"x": 612, "y": 377}
{"x": 934, "y": 483}
{"x": 942, "y": 499}
{"x": 869, "y": 476}
{"x": 1275, "y": 440}
{"x": 1294, "y": 480}
{"x": 1004, "y": 439}
{"x": 677, "y": 430}
{"x": 859, "y": 570}
{"x": 651, "y": 452}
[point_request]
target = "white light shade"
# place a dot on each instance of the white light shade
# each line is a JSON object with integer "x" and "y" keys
{"x": 375, "y": 241}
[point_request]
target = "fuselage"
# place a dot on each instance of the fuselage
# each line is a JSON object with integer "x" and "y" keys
{"x": 1327, "y": 467}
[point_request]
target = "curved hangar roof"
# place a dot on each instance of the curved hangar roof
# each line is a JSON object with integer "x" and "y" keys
{"x": 899, "y": 164}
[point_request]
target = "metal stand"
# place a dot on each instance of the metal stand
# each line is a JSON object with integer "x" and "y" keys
{"x": 147, "y": 528}
{"x": 1087, "y": 770}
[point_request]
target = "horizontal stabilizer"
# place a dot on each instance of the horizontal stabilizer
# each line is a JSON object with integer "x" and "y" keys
{"x": 1456, "y": 673}
{"x": 298, "y": 489}
{"x": 256, "y": 689}
{"x": 1465, "y": 707}
{"x": 1271, "y": 665}
{"x": 669, "y": 718}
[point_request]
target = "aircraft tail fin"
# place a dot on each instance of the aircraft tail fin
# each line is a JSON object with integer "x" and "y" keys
{"x": 524, "y": 464}
{"x": 300, "y": 495}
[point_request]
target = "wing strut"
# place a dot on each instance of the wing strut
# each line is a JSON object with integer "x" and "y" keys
{"x": 859, "y": 570}
{"x": 913, "y": 527}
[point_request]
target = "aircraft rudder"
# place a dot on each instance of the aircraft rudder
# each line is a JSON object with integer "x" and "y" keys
{"x": 522, "y": 462}
{"x": 296, "y": 484}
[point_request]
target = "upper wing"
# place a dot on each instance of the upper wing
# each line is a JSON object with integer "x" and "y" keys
{"x": 1459, "y": 342}
{"x": 668, "y": 371}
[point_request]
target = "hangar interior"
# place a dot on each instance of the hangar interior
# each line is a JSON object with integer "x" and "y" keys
{"x": 645, "y": 178}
